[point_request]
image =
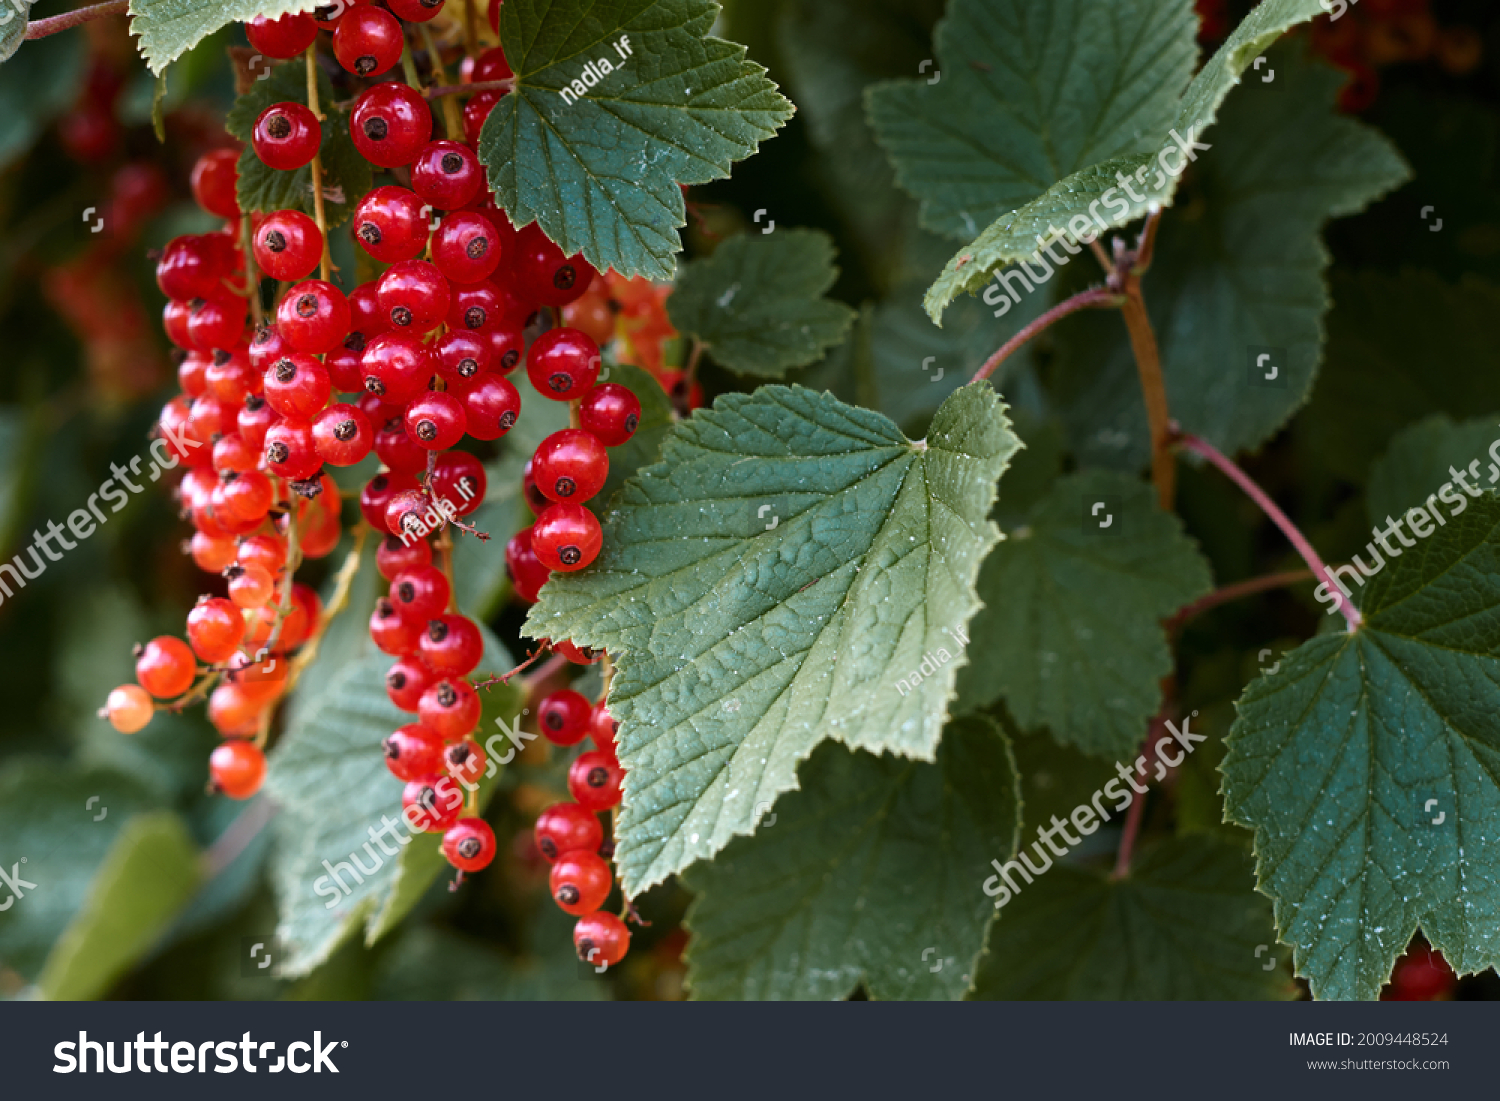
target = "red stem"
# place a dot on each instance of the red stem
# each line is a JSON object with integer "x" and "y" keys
{"x": 1093, "y": 297}
{"x": 1235, "y": 592}
{"x": 1208, "y": 451}
{"x": 506, "y": 85}
{"x": 41, "y": 28}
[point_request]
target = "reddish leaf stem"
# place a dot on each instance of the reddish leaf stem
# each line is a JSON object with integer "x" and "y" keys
{"x": 1092, "y": 298}
{"x": 506, "y": 85}
{"x": 41, "y": 28}
{"x": 1234, "y": 592}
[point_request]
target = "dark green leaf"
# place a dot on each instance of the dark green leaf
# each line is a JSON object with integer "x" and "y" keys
{"x": 37, "y": 85}
{"x": 167, "y": 29}
{"x": 1425, "y": 455}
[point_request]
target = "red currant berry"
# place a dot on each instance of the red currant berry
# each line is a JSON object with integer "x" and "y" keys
{"x": 237, "y": 768}
{"x": 367, "y": 41}
{"x": 451, "y": 707}
{"x": 291, "y": 451}
{"x": 563, "y": 717}
{"x": 491, "y": 65}
{"x": 194, "y": 267}
{"x": 390, "y": 223}
{"x": 580, "y": 882}
{"x": 328, "y": 15}
{"x": 297, "y": 386}
{"x": 211, "y": 554}
{"x": 281, "y": 38}
{"x": 411, "y": 515}
{"x": 390, "y": 633}
{"x": 601, "y": 939}
{"x": 342, "y": 435}
{"x": 543, "y": 274}
{"x": 447, "y": 175}
{"x": 462, "y": 356}
{"x": 465, "y": 762}
{"x": 398, "y": 367}
{"x": 390, "y": 124}
{"x": 563, "y": 364}
{"x": 413, "y": 751}
{"x": 432, "y": 803}
{"x": 215, "y": 178}
{"x": 567, "y": 828}
{"x": 406, "y": 681}
{"x": 481, "y": 306}
{"x": 570, "y": 465}
{"x": 215, "y": 629}
{"x": 217, "y": 322}
{"x": 174, "y": 320}
{"x": 435, "y": 420}
{"x": 288, "y": 245}
{"x": 193, "y": 370}
{"x": 603, "y": 728}
{"x": 393, "y": 556}
{"x": 466, "y": 248}
{"x": 476, "y": 113}
{"x": 490, "y": 407}
{"x": 458, "y": 478}
{"x": 128, "y": 708}
{"x": 250, "y": 586}
{"x": 594, "y": 779}
{"x": 420, "y": 594}
{"x": 493, "y": 15}
{"x": 378, "y": 493}
{"x": 534, "y": 498}
{"x": 526, "y": 572}
{"x": 416, "y": 11}
{"x": 254, "y": 420}
{"x": 611, "y": 412}
{"x": 469, "y": 845}
{"x": 578, "y": 655}
{"x": 451, "y": 645}
{"x": 507, "y": 345}
{"x": 243, "y": 498}
{"x": 313, "y": 317}
{"x": 397, "y": 450}
{"x": 286, "y": 136}
{"x": 366, "y": 318}
{"x": 266, "y": 551}
{"x": 166, "y": 667}
{"x": 230, "y": 378}
{"x": 266, "y": 347}
{"x": 414, "y": 295}
{"x": 566, "y": 537}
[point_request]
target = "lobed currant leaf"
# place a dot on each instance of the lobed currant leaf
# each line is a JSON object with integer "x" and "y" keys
{"x": 757, "y": 304}
{"x": 600, "y": 175}
{"x": 167, "y": 29}
{"x": 1420, "y": 458}
{"x": 1368, "y": 765}
{"x": 870, "y": 874}
{"x": 741, "y": 642}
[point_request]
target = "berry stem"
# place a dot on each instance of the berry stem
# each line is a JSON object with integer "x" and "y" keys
{"x": 504, "y": 678}
{"x": 198, "y": 692}
{"x": 342, "y": 583}
{"x": 452, "y": 123}
{"x": 445, "y": 552}
{"x": 1299, "y": 541}
{"x": 325, "y": 265}
{"x": 506, "y": 85}
{"x": 1093, "y": 298}
{"x": 471, "y": 28}
{"x": 41, "y": 28}
{"x": 293, "y": 560}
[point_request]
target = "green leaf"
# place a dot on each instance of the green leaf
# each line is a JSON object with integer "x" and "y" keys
{"x": 1236, "y": 276}
{"x": 600, "y": 174}
{"x": 870, "y": 874}
{"x": 1421, "y": 456}
{"x": 1030, "y": 92}
{"x": 147, "y": 878}
{"x": 479, "y": 566}
{"x": 1013, "y": 236}
{"x": 757, "y": 304}
{"x": 12, "y": 30}
{"x": 435, "y": 965}
{"x": 1369, "y": 767}
{"x": 36, "y": 86}
{"x": 739, "y": 648}
{"x": 167, "y": 29}
{"x": 1071, "y": 632}
{"x": 1401, "y": 347}
{"x": 1185, "y": 924}
{"x": 347, "y": 176}
{"x": 643, "y": 448}
{"x": 51, "y": 835}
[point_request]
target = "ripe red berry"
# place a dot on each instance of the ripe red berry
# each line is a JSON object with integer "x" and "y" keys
{"x": 266, "y": 347}
{"x": 466, "y": 248}
{"x": 413, "y": 751}
{"x": 194, "y": 267}
{"x": 166, "y": 667}
{"x": 389, "y": 223}
{"x": 313, "y": 317}
{"x": 611, "y": 412}
{"x": 462, "y": 356}
{"x": 594, "y": 780}
{"x": 543, "y": 274}
{"x": 397, "y": 450}
{"x": 411, "y": 515}
{"x": 563, "y": 717}
{"x": 507, "y": 344}
{"x": 297, "y": 386}
{"x": 477, "y": 306}
{"x": 367, "y": 41}
{"x": 393, "y": 556}
{"x": 563, "y": 364}
{"x": 420, "y": 594}
{"x": 128, "y": 708}
{"x": 469, "y": 845}
{"x": 490, "y": 407}
{"x": 288, "y": 245}
{"x": 342, "y": 435}
{"x": 570, "y": 465}
{"x": 465, "y": 762}
{"x": 286, "y": 136}
{"x": 451, "y": 645}
{"x": 578, "y": 655}
{"x": 476, "y": 112}
{"x": 214, "y": 180}
{"x": 392, "y": 634}
{"x": 398, "y": 367}
{"x": 281, "y": 38}
{"x": 568, "y": 828}
{"x": 250, "y": 586}
{"x": 526, "y": 572}
{"x": 230, "y": 378}
{"x": 254, "y": 420}
{"x": 215, "y": 628}
{"x": 447, "y": 175}
{"x": 432, "y": 803}
{"x": 237, "y": 768}
{"x": 328, "y": 15}
{"x": 451, "y": 707}
{"x": 566, "y": 537}
{"x": 414, "y": 295}
{"x": 406, "y": 681}
{"x": 534, "y": 498}
{"x": 602, "y": 729}
{"x": 291, "y": 452}
{"x": 493, "y": 15}
{"x": 435, "y": 420}
{"x": 580, "y": 882}
{"x": 366, "y": 319}
{"x": 458, "y": 478}
{"x": 243, "y": 498}
{"x": 491, "y": 65}
{"x": 601, "y": 939}
{"x": 377, "y": 494}
{"x": 390, "y": 124}
{"x": 217, "y": 322}
{"x": 266, "y": 551}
